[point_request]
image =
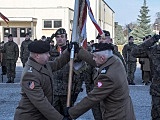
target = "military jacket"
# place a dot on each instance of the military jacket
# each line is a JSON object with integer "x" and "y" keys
{"x": 24, "y": 53}
{"x": 60, "y": 77}
{"x": 37, "y": 90}
{"x": 150, "y": 50}
{"x": 126, "y": 51}
{"x": 11, "y": 51}
{"x": 111, "y": 90}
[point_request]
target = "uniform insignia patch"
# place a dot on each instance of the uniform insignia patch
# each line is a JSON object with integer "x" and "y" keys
{"x": 103, "y": 71}
{"x": 99, "y": 84}
{"x": 31, "y": 85}
{"x": 30, "y": 69}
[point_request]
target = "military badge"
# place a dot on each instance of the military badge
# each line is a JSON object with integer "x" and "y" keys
{"x": 99, "y": 84}
{"x": 30, "y": 69}
{"x": 31, "y": 85}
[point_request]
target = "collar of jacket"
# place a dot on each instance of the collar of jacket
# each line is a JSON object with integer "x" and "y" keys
{"x": 37, "y": 66}
{"x": 110, "y": 61}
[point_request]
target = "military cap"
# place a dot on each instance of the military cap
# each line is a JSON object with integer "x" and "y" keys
{"x": 107, "y": 33}
{"x": 60, "y": 31}
{"x": 39, "y": 46}
{"x": 26, "y": 34}
{"x": 10, "y": 35}
{"x": 97, "y": 47}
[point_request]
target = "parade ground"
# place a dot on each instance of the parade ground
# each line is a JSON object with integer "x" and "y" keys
{"x": 10, "y": 96}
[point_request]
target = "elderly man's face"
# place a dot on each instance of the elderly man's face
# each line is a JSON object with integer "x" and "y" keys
{"x": 98, "y": 59}
{"x": 43, "y": 58}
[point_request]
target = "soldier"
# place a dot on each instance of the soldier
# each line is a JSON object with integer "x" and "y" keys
{"x": 4, "y": 69}
{"x": 11, "y": 54}
{"x": 37, "y": 84}
{"x": 24, "y": 53}
{"x": 107, "y": 39}
{"x": 152, "y": 51}
{"x": 110, "y": 86}
{"x": 60, "y": 77}
{"x": 130, "y": 60}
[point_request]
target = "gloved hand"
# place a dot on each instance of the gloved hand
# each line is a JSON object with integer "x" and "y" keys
{"x": 67, "y": 118}
{"x": 66, "y": 114}
{"x": 76, "y": 47}
{"x": 156, "y": 37}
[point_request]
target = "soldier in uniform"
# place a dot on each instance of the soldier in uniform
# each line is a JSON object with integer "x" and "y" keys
{"x": 60, "y": 77}
{"x": 130, "y": 60}
{"x": 11, "y": 54}
{"x": 107, "y": 39}
{"x": 110, "y": 86}
{"x": 2, "y": 60}
{"x": 24, "y": 53}
{"x": 37, "y": 84}
{"x": 152, "y": 51}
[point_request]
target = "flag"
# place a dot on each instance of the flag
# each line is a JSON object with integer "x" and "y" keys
{"x": 82, "y": 23}
{"x": 100, "y": 31}
{"x": 4, "y": 18}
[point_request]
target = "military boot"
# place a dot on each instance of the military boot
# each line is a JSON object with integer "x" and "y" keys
{"x": 9, "y": 80}
{"x": 12, "y": 80}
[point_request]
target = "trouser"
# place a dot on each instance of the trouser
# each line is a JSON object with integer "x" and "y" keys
{"x": 155, "y": 92}
{"x": 146, "y": 76}
{"x": 11, "y": 68}
{"x": 60, "y": 102}
{"x": 130, "y": 71}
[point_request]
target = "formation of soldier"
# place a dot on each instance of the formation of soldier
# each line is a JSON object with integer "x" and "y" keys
{"x": 84, "y": 72}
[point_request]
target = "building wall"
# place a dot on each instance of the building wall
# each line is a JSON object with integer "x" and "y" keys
{"x": 54, "y": 9}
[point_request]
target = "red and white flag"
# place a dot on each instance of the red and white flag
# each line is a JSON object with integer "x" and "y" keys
{"x": 4, "y": 18}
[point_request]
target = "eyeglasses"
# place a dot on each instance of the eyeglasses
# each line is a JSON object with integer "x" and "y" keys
{"x": 62, "y": 36}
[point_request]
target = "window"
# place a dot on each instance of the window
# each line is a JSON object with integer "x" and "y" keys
{"x": 6, "y": 32}
{"x": 52, "y": 24}
{"x": 47, "y": 24}
{"x": 14, "y": 32}
{"x": 29, "y": 31}
{"x": 57, "y": 23}
{"x": 22, "y": 32}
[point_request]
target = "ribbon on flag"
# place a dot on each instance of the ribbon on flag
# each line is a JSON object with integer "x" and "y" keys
{"x": 100, "y": 31}
{"x": 4, "y": 18}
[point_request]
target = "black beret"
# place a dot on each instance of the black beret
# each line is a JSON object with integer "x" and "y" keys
{"x": 10, "y": 35}
{"x": 107, "y": 33}
{"x": 39, "y": 46}
{"x": 26, "y": 34}
{"x": 60, "y": 31}
{"x": 97, "y": 47}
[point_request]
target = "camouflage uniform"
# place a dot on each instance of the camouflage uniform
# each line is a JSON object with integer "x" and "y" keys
{"x": 60, "y": 78}
{"x": 24, "y": 53}
{"x": 130, "y": 61}
{"x": 146, "y": 49}
{"x": 11, "y": 51}
{"x": 4, "y": 69}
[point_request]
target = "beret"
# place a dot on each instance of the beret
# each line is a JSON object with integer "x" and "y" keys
{"x": 39, "y": 46}
{"x": 60, "y": 31}
{"x": 107, "y": 33}
{"x": 10, "y": 35}
{"x": 97, "y": 47}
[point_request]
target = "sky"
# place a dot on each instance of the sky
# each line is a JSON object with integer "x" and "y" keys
{"x": 127, "y": 11}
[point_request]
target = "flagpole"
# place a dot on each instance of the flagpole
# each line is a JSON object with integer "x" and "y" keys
{"x": 74, "y": 39}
